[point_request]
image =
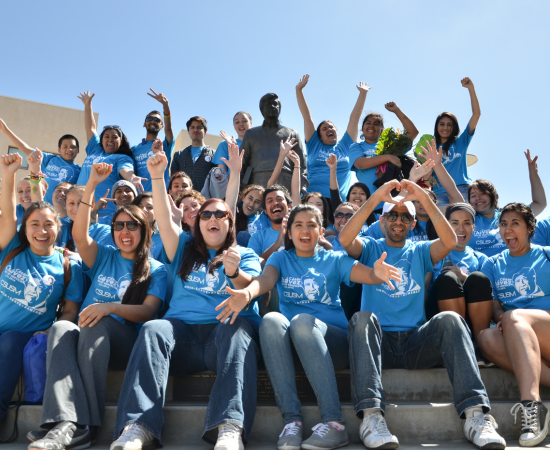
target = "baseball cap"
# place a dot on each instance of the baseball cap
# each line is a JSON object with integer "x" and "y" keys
{"x": 121, "y": 183}
{"x": 389, "y": 206}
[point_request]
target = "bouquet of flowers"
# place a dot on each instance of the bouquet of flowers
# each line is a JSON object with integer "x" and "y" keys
{"x": 391, "y": 142}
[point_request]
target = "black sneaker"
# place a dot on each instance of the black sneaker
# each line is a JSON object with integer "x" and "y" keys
{"x": 534, "y": 422}
{"x": 64, "y": 436}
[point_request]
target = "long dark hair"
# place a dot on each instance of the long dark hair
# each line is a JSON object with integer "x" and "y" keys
{"x": 24, "y": 241}
{"x": 196, "y": 253}
{"x": 304, "y": 207}
{"x": 454, "y": 134}
{"x": 485, "y": 187}
{"x": 371, "y": 219}
{"x": 525, "y": 212}
{"x": 327, "y": 220}
{"x": 241, "y": 222}
{"x": 124, "y": 148}
{"x": 141, "y": 272}
{"x": 137, "y": 201}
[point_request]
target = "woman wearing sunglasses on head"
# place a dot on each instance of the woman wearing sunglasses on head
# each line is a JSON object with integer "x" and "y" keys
{"x": 128, "y": 288}
{"x": 110, "y": 147}
{"x": 193, "y": 336}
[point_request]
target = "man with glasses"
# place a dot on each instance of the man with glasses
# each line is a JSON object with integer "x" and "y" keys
{"x": 153, "y": 124}
{"x": 391, "y": 331}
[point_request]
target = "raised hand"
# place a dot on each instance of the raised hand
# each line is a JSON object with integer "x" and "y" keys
{"x": 294, "y": 158}
{"x": 363, "y": 87}
{"x": 100, "y": 172}
{"x": 157, "y": 164}
{"x": 532, "y": 162}
{"x": 288, "y": 145}
{"x": 177, "y": 213}
{"x": 231, "y": 260}
{"x": 467, "y": 83}
{"x": 410, "y": 191}
{"x": 392, "y": 106}
{"x": 227, "y": 138}
{"x": 10, "y": 163}
{"x": 235, "y": 161}
{"x": 423, "y": 171}
{"x": 233, "y": 305}
{"x": 332, "y": 162}
{"x": 157, "y": 146}
{"x": 383, "y": 193}
{"x": 158, "y": 97}
{"x": 86, "y": 97}
{"x": 35, "y": 161}
{"x": 432, "y": 153}
{"x": 303, "y": 82}
{"x": 386, "y": 272}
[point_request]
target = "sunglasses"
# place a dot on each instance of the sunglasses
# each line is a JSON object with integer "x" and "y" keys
{"x": 219, "y": 215}
{"x": 153, "y": 119}
{"x": 391, "y": 216}
{"x": 340, "y": 215}
{"x": 132, "y": 225}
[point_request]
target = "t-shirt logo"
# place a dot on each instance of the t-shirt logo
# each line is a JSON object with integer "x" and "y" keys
{"x": 214, "y": 282}
{"x": 525, "y": 283}
{"x": 252, "y": 228}
{"x": 123, "y": 284}
{"x": 59, "y": 173}
{"x": 30, "y": 291}
{"x": 314, "y": 285}
{"x": 407, "y": 285}
{"x": 451, "y": 156}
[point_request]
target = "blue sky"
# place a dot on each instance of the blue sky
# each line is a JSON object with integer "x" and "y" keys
{"x": 213, "y": 58}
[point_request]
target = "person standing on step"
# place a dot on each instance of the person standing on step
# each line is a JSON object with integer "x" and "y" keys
{"x": 390, "y": 331}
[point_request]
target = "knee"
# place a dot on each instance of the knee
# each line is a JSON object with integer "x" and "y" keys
{"x": 90, "y": 335}
{"x": 449, "y": 321}
{"x": 446, "y": 280}
{"x": 487, "y": 340}
{"x": 301, "y": 326}
{"x": 478, "y": 285}
{"x": 152, "y": 330}
{"x": 364, "y": 320}
{"x": 514, "y": 318}
{"x": 273, "y": 323}
{"x": 60, "y": 328}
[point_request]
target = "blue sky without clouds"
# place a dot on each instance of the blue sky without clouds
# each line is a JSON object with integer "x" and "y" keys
{"x": 213, "y": 58}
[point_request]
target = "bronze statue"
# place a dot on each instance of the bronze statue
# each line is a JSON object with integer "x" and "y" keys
{"x": 261, "y": 148}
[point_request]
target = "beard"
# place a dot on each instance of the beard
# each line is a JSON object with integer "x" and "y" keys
{"x": 277, "y": 221}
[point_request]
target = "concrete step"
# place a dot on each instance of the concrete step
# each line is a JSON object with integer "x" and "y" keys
{"x": 410, "y": 422}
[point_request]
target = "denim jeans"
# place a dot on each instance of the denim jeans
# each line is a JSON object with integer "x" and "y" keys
{"x": 443, "y": 198}
{"x": 170, "y": 346}
{"x": 320, "y": 349}
{"x": 12, "y": 344}
{"x": 444, "y": 338}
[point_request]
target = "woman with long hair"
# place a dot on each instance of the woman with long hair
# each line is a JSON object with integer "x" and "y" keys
{"x": 144, "y": 202}
{"x": 128, "y": 288}
{"x": 322, "y": 204}
{"x": 193, "y": 336}
{"x": 189, "y": 202}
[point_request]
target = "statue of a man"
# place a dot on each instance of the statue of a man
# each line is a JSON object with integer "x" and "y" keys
{"x": 261, "y": 147}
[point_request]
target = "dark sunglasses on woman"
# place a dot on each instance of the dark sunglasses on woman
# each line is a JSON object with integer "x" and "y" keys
{"x": 340, "y": 215}
{"x": 219, "y": 215}
{"x": 132, "y": 225}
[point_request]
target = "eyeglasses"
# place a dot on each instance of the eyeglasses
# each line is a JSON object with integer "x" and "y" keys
{"x": 153, "y": 119}
{"x": 340, "y": 215}
{"x": 219, "y": 215}
{"x": 391, "y": 216}
{"x": 132, "y": 225}
{"x": 108, "y": 127}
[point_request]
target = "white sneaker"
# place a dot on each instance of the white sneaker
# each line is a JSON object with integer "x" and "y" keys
{"x": 229, "y": 437}
{"x": 134, "y": 437}
{"x": 374, "y": 433}
{"x": 481, "y": 431}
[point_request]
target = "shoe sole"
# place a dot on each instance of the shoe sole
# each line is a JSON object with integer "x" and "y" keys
{"x": 493, "y": 446}
{"x": 147, "y": 446}
{"x": 68, "y": 447}
{"x": 311, "y": 447}
{"x": 541, "y": 438}
{"x": 386, "y": 446}
{"x": 289, "y": 447}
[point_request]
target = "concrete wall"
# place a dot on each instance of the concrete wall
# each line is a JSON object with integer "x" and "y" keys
{"x": 41, "y": 125}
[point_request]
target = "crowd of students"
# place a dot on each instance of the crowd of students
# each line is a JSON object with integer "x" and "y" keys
{"x": 182, "y": 270}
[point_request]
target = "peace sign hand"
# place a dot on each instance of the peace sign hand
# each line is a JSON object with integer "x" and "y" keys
{"x": 158, "y": 97}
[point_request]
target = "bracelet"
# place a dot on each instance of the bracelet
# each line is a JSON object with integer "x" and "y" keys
{"x": 157, "y": 178}
{"x": 235, "y": 275}
{"x": 37, "y": 181}
{"x": 41, "y": 175}
{"x": 167, "y": 115}
{"x": 296, "y": 167}
{"x": 87, "y": 204}
{"x": 249, "y": 298}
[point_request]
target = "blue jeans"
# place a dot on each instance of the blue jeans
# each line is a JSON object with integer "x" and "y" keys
{"x": 443, "y": 339}
{"x": 170, "y": 346}
{"x": 12, "y": 344}
{"x": 320, "y": 349}
{"x": 443, "y": 198}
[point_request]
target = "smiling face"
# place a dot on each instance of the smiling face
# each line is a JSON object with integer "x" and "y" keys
{"x": 72, "y": 200}
{"x": 252, "y": 202}
{"x": 481, "y": 202}
{"x": 515, "y": 233}
{"x": 339, "y": 223}
{"x": 276, "y": 207}
{"x": 241, "y": 123}
{"x": 214, "y": 231}
{"x": 190, "y": 209}
{"x": 372, "y": 129}
{"x": 153, "y": 126}
{"x": 396, "y": 232}
{"x": 179, "y": 184}
{"x": 357, "y": 196}
{"x": 146, "y": 205}
{"x": 58, "y": 197}
{"x": 445, "y": 128}
{"x": 196, "y": 131}
{"x": 304, "y": 233}
{"x": 41, "y": 230}
{"x": 463, "y": 226}
{"x": 24, "y": 193}
{"x": 127, "y": 241}
{"x": 68, "y": 149}
{"x": 111, "y": 141}
{"x": 123, "y": 196}
{"x": 328, "y": 133}
{"x": 316, "y": 201}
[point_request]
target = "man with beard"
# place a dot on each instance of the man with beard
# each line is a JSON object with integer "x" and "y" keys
{"x": 391, "y": 331}
{"x": 153, "y": 124}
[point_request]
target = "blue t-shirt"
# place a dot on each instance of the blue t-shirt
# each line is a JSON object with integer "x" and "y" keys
{"x": 521, "y": 281}
{"x": 455, "y": 162}
{"x": 194, "y": 301}
{"x": 223, "y": 152}
{"x": 57, "y": 170}
{"x": 312, "y": 285}
{"x": 542, "y": 233}
{"x": 142, "y": 152}
{"x": 111, "y": 275}
{"x": 107, "y": 219}
{"x": 317, "y": 170}
{"x": 99, "y": 233}
{"x": 258, "y": 222}
{"x": 31, "y": 287}
{"x": 486, "y": 237}
{"x": 401, "y": 309}
{"x": 468, "y": 261}
{"x": 263, "y": 239}
{"x": 19, "y": 213}
{"x": 367, "y": 176}
{"x": 195, "y": 153}
{"x": 156, "y": 247}
{"x": 96, "y": 154}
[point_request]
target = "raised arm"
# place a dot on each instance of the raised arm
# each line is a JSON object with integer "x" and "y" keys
{"x": 166, "y": 112}
{"x": 234, "y": 163}
{"x": 476, "y": 111}
{"x": 169, "y": 231}
{"x": 89, "y": 121}
{"x": 295, "y": 181}
{"x": 129, "y": 175}
{"x": 309, "y": 125}
{"x": 35, "y": 163}
{"x": 355, "y": 117}
{"x": 87, "y": 247}
{"x": 8, "y": 220}
{"x": 284, "y": 148}
{"x": 538, "y": 195}
{"x": 335, "y": 198}
{"x": 408, "y": 124}
{"x": 20, "y": 144}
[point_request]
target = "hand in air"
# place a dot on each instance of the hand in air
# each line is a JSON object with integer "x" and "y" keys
{"x": 227, "y": 138}
{"x": 531, "y": 162}
{"x": 432, "y": 153}
{"x": 99, "y": 173}
{"x": 92, "y": 314}
{"x": 235, "y": 161}
{"x": 136, "y": 181}
{"x": 10, "y": 163}
{"x": 324, "y": 243}
{"x": 363, "y": 87}
{"x": 421, "y": 171}
{"x": 158, "y": 97}
{"x": 157, "y": 146}
{"x": 177, "y": 212}
{"x": 392, "y": 106}
{"x": 383, "y": 193}
{"x": 35, "y": 161}
{"x": 385, "y": 272}
{"x": 303, "y": 82}
{"x": 157, "y": 164}
{"x": 410, "y": 191}
{"x": 86, "y": 97}
{"x": 467, "y": 83}
{"x": 287, "y": 146}
{"x": 231, "y": 260}
{"x": 332, "y": 162}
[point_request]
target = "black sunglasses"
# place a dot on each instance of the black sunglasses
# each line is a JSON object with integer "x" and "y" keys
{"x": 153, "y": 119}
{"x": 132, "y": 225}
{"x": 219, "y": 215}
{"x": 340, "y": 215}
{"x": 391, "y": 216}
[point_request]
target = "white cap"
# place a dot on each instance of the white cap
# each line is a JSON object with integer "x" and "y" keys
{"x": 389, "y": 206}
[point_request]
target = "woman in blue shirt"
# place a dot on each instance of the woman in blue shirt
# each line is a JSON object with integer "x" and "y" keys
{"x": 193, "y": 336}
{"x": 323, "y": 141}
{"x": 520, "y": 277}
{"x": 311, "y": 320}
{"x": 34, "y": 279}
{"x": 242, "y": 121}
{"x": 128, "y": 288}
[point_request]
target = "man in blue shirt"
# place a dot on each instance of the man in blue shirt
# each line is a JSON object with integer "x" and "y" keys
{"x": 391, "y": 330}
{"x": 154, "y": 124}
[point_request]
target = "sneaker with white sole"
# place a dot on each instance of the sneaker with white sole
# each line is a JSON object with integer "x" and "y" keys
{"x": 534, "y": 422}
{"x": 65, "y": 435}
{"x": 327, "y": 436}
{"x": 229, "y": 437}
{"x": 291, "y": 436}
{"x": 134, "y": 437}
{"x": 480, "y": 429}
{"x": 374, "y": 433}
